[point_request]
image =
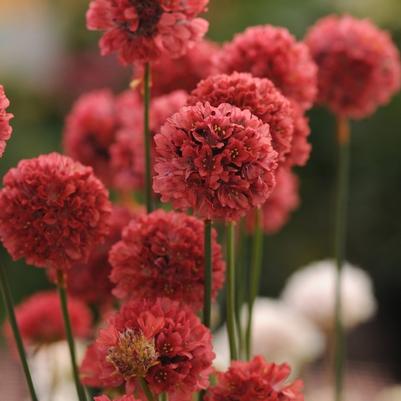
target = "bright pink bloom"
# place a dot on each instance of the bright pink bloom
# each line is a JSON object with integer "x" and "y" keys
{"x": 91, "y": 129}
{"x": 123, "y": 398}
{"x": 284, "y": 199}
{"x": 259, "y": 96}
{"x": 162, "y": 254}
{"x": 142, "y": 30}
{"x": 5, "y": 127}
{"x": 41, "y": 322}
{"x": 217, "y": 160}
{"x": 255, "y": 380}
{"x": 53, "y": 211}
{"x": 271, "y": 52}
{"x": 161, "y": 341}
{"x": 184, "y": 73}
{"x": 359, "y": 65}
{"x": 90, "y": 281}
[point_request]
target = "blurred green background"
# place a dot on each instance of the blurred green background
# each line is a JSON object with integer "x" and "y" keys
{"x": 48, "y": 58}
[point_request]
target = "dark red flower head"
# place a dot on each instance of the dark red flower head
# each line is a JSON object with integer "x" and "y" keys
{"x": 359, "y": 65}
{"x": 53, "y": 211}
{"x": 271, "y": 52}
{"x": 259, "y": 96}
{"x": 40, "y": 320}
{"x": 90, "y": 281}
{"x": 142, "y": 30}
{"x": 217, "y": 160}
{"x": 5, "y": 127}
{"x": 255, "y": 380}
{"x": 161, "y": 341}
{"x": 162, "y": 254}
{"x": 284, "y": 199}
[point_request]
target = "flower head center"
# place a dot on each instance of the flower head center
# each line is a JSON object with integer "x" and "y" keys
{"x": 133, "y": 354}
{"x": 149, "y": 13}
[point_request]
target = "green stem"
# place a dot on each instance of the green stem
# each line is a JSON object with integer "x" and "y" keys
{"x": 147, "y": 139}
{"x": 207, "y": 300}
{"x": 231, "y": 290}
{"x": 163, "y": 397}
{"x": 146, "y": 390}
{"x": 70, "y": 339}
{"x": 5, "y": 289}
{"x": 254, "y": 277}
{"x": 343, "y": 136}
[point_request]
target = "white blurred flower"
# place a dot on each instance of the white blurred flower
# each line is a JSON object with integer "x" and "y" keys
{"x": 390, "y": 394}
{"x": 311, "y": 291}
{"x": 327, "y": 394}
{"x": 52, "y": 373}
{"x": 280, "y": 334}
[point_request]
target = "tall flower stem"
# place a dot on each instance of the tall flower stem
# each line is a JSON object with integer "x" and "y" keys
{"x": 254, "y": 276}
{"x": 231, "y": 290}
{"x": 8, "y": 301}
{"x": 343, "y": 141}
{"x": 145, "y": 387}
{"x": 147, "y": 138}
{"x": 70, "y": 339}
{"x": 207, "y": 300}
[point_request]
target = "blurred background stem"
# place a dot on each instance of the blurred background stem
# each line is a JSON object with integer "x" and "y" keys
{"x": 208, "y": 281}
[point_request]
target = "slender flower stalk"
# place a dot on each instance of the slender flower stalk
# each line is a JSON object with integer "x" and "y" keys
{"x": 343, "y": 140}
{"x": 230, "y": 238}
{"x": 70, "y": 339}
{"x": 254, "y": 277}
{"x": 207, "y": 302}
{"x": 148, "y": 393}
{"x": 8, "y": 301}
{"x": 147, "y": 138}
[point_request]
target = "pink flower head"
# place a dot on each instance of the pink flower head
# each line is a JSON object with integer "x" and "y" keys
{"x": 255, "y": 380}
{"x": 90, "y": 130}
{"x": 259, "y": 96}
{"x": 271, "y": 52}
{"x": 184, "y": 73}
{"x": 284, "y": 200}
{"x": 161, "y": 341}
{"x": 142, "y": 30}
{"x": 162, "y": 254}
{"x": 5, "y": 127}
{"x": 90, "y": 281}
{"x": 359, "y": 65}
{"x": 123, "y": 398}
{"x": 40, "y": 320}
{"x": 53, "y": 211}
{"x": 217, "y": 160}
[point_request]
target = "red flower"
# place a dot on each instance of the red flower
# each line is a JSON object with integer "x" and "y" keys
{"x": 5, "y": 128}
{"x": 217, "y": 160}
{"x": 123, "y": 398}
{"x": 41, "y": 322}
{"x": 160, "y": 341}
{"x": 359, "y": 66}
{"x": 90, "y": 130}
{"x": 162, "y": 254}
{"x": 142, "y": 30}
{"x": 284, "y": 199}
{"x": 53, "y": 211}
{"x": 184, "y": 73}
{"x": 259, "y": 96}
{"x": 90, "y": 281}
{"x": 255, "y": 380}
{"x": 271, "y": 52}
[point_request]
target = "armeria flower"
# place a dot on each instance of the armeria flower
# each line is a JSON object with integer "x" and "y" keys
{"x": 123, "y": 398}
{"x": 5, "y": 127}
{"x": 217, "y": 160}
{"x": 271, "y": 52}
{"x": 359, "y": 65}
{"x": 142, "y": 30}
{"x": 41, "y": 322}
{"x": 259, "y": 96}
{"x": 91, "y": 129}
{"x": 183, "y": 73}
{"x": 284, "y": 200}
{"x": 90, "y": 281}
{"x": 255, "y": 380}
{"x": 53, "y": 211}
{"x": 161, "y": 341}
{"x": 162, "y": 254}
